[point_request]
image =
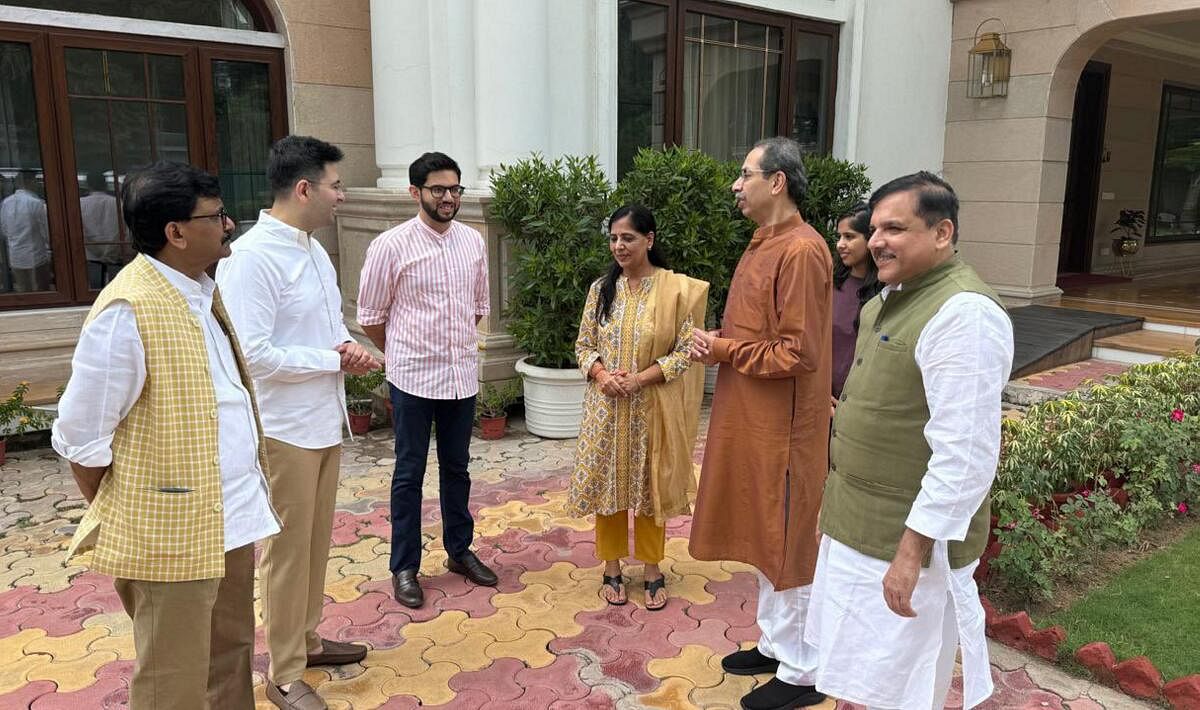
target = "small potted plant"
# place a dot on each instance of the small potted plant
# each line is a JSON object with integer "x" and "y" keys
{"x": 1128, "y": 229}
{"x": 359, "y": 402}
{"x": 16, "y": 417}
{"x": 492, "y": 405}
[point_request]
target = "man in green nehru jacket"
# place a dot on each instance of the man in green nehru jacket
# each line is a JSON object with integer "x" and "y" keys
{"x": 913, "y": 453}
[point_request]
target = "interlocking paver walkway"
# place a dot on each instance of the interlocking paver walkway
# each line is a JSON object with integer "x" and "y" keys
{"x": 541, "y": 639}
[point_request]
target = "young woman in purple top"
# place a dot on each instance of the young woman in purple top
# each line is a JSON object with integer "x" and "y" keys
{"x": 855, "y": 281}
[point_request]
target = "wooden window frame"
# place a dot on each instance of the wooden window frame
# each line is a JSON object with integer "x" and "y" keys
{"x": 1168, "y": 87}
{"x": 56, "y": 138}
{"x": 789, "y": 26}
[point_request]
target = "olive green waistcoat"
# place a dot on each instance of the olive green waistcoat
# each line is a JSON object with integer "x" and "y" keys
{"x": 877, "y": 452}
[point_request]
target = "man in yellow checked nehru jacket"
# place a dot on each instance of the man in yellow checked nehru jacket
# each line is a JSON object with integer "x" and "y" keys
{"x": 161, "y": 428}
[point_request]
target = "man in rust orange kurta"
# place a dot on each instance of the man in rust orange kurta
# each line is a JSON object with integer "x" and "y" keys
{"x": 768, "y": 447}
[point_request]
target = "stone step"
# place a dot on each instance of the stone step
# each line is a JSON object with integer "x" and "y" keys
{"x": 1143, "y": 346}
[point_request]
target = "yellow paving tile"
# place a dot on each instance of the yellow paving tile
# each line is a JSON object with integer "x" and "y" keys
{"x": 360, "y": 551}
{"x": 47, "y": 573}
{"x": 557, "y": 576}
{"x": 373, "y": 570}
{"x": 15, "y": 673}
{"x": 13, "y": 647}
{"x": 692, "y": 663}
{"x": 502, "y": 626}
{"x": 120, "y": 644}
{"x": 361, "y": 691}
{"x": 404, "y": 660}
{"x": 73, "y": 675}
{"x": 467, "y": 654}
{"x": 433, "y": 562}
{"x": 432, "y": 687}
{"x": 531, "y": 599}
{"x": 66, "y": 648}
{"x": 442, "y": 629}
{"x": 345, "y": 589}
{"x": 727, "y": 695}
{"x": 691, "y": 587}
{"x": 530, "y": 648}
{"x": 672, "y": 694}
{"x": 118, "y": 623}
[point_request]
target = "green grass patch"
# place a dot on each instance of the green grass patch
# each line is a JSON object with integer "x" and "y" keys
{"x": 1152, "y": 609}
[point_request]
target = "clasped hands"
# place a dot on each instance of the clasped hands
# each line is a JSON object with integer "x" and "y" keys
{"x": 356, "y": 360}
{"x": 702, "y": 345}
{"x": 617, "y": 383}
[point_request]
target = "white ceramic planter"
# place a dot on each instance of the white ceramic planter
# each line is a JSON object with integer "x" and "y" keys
{"x": 710, "y": 378}
{"x": 553, "y": 400}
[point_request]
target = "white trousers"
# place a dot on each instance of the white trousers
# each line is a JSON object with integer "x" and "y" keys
{"x": 781, "y": 620}
{"x": 944, "y": 671}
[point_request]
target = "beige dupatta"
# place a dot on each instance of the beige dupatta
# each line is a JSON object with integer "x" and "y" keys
{"x": 674, "y": 407}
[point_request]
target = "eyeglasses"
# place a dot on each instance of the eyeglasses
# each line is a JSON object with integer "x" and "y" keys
{"x": 221, "y": 214}
{"x": 335, "y": 186}
{"x": 747, "y": 172}
{"x": 439, "y": 191}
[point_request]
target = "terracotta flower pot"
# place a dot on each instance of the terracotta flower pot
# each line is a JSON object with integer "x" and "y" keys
{"x": 493, "y": 427}
{"x": 360, "y": 423}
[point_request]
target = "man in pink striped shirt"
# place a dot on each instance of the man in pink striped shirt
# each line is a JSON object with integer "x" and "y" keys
{"x": 424, "y": 288}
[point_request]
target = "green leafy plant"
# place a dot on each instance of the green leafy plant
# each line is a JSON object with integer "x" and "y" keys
{"x": 494, "y": 400}
{"x": 553, "y": 212}
{"x": 17, "y": 417}
{"x": 1092, "y": 470}
{"x": 1128, "y": 227}
{"x": 834, "y": 186}
{"x": 700, "y": 229}
{"x": 360, "y": 389}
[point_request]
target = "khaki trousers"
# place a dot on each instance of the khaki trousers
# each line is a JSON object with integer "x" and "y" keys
{"x": 292, "y": 569}
{"x": 194, "y": 640}
{"x": 612, "y": 537}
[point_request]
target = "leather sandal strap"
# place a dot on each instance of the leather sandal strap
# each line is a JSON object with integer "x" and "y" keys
{"x": 653, "y": 587}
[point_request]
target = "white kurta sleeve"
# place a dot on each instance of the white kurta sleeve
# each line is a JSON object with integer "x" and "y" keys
{"x": 251, "y": 296}
{"x": 108, "y": 372}
{"x": 965, "y": 356}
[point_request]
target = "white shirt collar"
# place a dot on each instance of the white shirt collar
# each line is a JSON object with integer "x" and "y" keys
{"x": 197, "y": 292}
{"x": 283, "y": 230}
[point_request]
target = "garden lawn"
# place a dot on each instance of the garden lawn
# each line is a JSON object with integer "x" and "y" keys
{"x": 1150, "y": 609}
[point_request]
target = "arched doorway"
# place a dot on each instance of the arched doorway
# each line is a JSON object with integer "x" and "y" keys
{"x": 84, "y": 100}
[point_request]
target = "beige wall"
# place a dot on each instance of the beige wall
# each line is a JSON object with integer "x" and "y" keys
{"x": 1130, "y": 137}
{"x": 1007, "y": 157}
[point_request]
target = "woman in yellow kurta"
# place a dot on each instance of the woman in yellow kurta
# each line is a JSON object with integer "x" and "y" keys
{"x": 642, "y": 402}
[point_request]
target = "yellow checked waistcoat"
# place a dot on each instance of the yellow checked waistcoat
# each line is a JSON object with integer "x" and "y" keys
{"x": 158, "y": 514}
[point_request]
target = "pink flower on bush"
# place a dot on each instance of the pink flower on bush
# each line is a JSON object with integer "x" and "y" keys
{"x": 1176, "y": 415}
{"x": 1182, "y": 508}
{"x": 1196, "y": 468}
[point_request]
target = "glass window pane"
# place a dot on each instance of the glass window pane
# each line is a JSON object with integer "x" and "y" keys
{"x": 130, "y": 130}
{"x": 810, "y": 105}
{"x": 641, "y": 79}
{"x": 104, "y": 247}
{"x": 166, "y": 77}
{"x": 750, "y": 34}
{"x": 126, "y": 73}
{"x": 26, "y": 262}
{"x": 718, "y": 29}
{"x": 692, "y": 24}
{"x": 170, "y": 132}
{"x": 1175, "y": 214}
{"x": 85, "y": 72}
{"x": 214, "y": 13}
{"x": 241, "y": 93}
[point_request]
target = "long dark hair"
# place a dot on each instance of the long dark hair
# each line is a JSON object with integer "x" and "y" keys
{"x": 860, "y": 221}
{"x": 642, "y": 220}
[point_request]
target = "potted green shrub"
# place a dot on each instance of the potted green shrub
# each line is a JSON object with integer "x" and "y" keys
{"x": 1128, "y": 229}
{"x": 359, "y": 399}
{"x": 17, "y": 417}
{"x": 834, "y": 186}
{"x": 492, "y": 403}
{"x": 552, "y": 211}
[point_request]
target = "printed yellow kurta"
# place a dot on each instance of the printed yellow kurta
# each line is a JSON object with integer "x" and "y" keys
{"x": 611, "y": 467}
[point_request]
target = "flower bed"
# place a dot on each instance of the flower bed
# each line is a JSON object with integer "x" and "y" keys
{"x": 1090, "y": 471}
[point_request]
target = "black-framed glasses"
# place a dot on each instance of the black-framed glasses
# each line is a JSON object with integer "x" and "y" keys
{"x": 221, "y": 213}
{"x": 439, "y": 191}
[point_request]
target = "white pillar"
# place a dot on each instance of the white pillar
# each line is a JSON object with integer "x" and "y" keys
{"x": 402, "y": 79}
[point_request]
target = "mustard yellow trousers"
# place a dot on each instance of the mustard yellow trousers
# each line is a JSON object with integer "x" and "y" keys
{"x": 612, "y": 537}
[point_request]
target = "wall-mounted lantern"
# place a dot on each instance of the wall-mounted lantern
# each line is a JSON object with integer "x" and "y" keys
{"x": 990, "y": 64}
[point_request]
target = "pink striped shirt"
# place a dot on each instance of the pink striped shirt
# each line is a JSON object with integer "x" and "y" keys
{"x": 428, "y": 288}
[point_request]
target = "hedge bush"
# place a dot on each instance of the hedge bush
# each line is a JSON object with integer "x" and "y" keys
{"x": 1125, "y": 455}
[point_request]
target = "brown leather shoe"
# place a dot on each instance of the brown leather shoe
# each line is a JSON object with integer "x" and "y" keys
{"x": 336, "y": 653}
{"x": 300, "y": 697}
{"x": 407, "y": 589}
{"x": 473, "y": 569}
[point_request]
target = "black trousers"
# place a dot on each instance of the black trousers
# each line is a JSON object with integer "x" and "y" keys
{"x": 412, "y": 418}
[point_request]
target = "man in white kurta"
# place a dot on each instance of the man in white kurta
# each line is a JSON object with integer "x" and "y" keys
{"x": 894, "y": 600}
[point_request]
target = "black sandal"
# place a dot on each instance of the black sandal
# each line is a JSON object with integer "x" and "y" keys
{"x": 617, "y": 582}
{"x": 652, "y": 588}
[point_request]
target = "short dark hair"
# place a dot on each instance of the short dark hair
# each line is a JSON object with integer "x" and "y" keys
{"x": 936, "y": 199}
{"x": 161, "y": 192}
{"x": 783, "y": 155}
{"x": 296, "y": 158}
{"x": 432, "y": 162}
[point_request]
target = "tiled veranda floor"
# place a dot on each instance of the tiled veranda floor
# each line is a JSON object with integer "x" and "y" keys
{"x": 541, "y": 639}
